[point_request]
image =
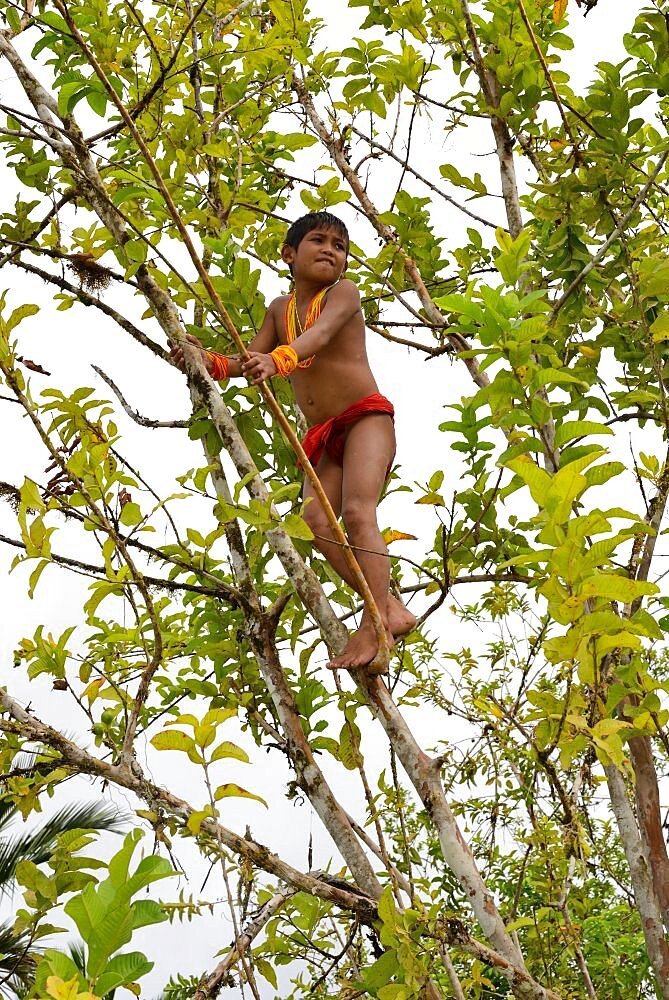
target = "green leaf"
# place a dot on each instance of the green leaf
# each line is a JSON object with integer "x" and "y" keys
{"x": 30, "y": 876}
{"x": 57, "y": 963}
{"x": 535, "y": 478}
{"x": 20, "y": 314}
{"x": 36, "y": 574}
{"x": 70, "y": 94}
{"x": 660, "y": 328}
{"x": 600, "y": 474}
{"x": 348, "y": 746}
{"x": 146, "y": 912}
{"x": 297, "y": 527}
{"x": 433, "y": 499}
{"x": 510, "y": 261}
{"x": 136, "y": 250}
{"x": 130, "y": 514}
{"x": 13, "y": 19}
{"x": 387, "y": 907}
{"x": 124, "y": 968}
{"x": 382, "y": 971}
{"x": 266, "y": 970}
{"x": 31, "y": 496}
{"x": 97, "y": 100}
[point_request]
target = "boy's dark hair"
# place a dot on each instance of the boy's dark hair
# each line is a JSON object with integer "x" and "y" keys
{"x": 314, "y": 220}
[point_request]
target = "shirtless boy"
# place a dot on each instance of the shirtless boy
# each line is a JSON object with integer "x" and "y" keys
{"x": 351, "y": 443}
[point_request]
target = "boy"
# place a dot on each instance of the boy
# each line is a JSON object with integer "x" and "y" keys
{"x": 316, "y": 336}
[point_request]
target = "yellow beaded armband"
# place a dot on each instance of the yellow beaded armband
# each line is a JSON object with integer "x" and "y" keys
{"x": 285, "y": 359}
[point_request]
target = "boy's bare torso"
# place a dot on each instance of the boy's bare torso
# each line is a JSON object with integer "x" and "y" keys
{"x": 339, "y": 374}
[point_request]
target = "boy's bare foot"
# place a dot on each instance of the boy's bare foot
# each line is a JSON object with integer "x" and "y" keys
{"x": 360, "y": 650}
{"x": 400, "y": 619}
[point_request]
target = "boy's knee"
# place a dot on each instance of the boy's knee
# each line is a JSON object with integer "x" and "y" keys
{"x": 358, "y": 516}
{"x": 315, "y": 517}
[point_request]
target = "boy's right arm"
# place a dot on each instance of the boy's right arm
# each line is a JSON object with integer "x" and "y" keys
{"x": 265, "y": 341}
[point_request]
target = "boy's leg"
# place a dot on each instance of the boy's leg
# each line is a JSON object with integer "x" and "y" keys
{"x": 368, "y": 451}
{"x": 400, "y": 619}
{"x": 330, "y": 475}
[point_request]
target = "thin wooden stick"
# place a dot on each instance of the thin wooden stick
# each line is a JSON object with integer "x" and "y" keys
{"x": 380, "y": 663}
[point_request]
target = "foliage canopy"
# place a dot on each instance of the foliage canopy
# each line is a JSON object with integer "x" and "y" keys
{"x": 159, "y": 150}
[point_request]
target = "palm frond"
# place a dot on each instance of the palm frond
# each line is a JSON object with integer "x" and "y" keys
{"x": 17, "y": 963}
{"x": 77, "y": 952}
{"x": 7, "y": 812}
{"x": 37, "y": 845}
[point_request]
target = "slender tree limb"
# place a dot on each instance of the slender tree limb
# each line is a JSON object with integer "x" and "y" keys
{"x": 376, "y": 850}
{"x": 504, "y": 145}
{"x": 134, "y": 414}
{"x": 442, "y": 194}
{"x": 405, "y": 342}
{"x": 448, "y": 107}
{"x": 456, "y": 985}
{"x": 615, "y": 235}
{"x": 224, "y": 592}
{"x": 210, "y": 986}
{"x": 549, "y": 79}
{"x": 91, "y": 300}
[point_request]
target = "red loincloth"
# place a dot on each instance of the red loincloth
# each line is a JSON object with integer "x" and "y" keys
{"x": 330, "y": 435}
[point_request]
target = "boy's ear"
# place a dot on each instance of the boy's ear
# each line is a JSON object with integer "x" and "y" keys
{"x": 287, "y": 254}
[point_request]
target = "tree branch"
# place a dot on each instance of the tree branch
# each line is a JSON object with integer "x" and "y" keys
{"x": 224, "y": 591}
{"x": 490, "y": 90}
{"x": 130, "y": 777}
{"x": 134, "y": 414}
{"x": 209, "y": 987}
{"x": 91, "y": 300}
{"x": 442, "y": 194}
{"x": 620, "y": 228}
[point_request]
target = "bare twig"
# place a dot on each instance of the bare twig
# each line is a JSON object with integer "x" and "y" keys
{"x": 134, "y": 414}
{"x": 442, "y": 194}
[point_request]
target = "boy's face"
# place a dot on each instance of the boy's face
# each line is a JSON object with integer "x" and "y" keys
{"x": 320, "y": 256}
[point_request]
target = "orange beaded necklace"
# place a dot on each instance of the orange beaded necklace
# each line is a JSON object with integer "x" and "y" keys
{"x": 293, "y": 323}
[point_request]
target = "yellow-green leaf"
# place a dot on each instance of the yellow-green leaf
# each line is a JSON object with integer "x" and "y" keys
{"x": 616, "y": 588}
{"x": 196, "y": 819}
{"x": 93, "y": 690}
{"x": 172, "y": 739}
{"x": 227, "y": 749}
{"x": 230, "y": 789}
{"x": 435, "y": 499}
